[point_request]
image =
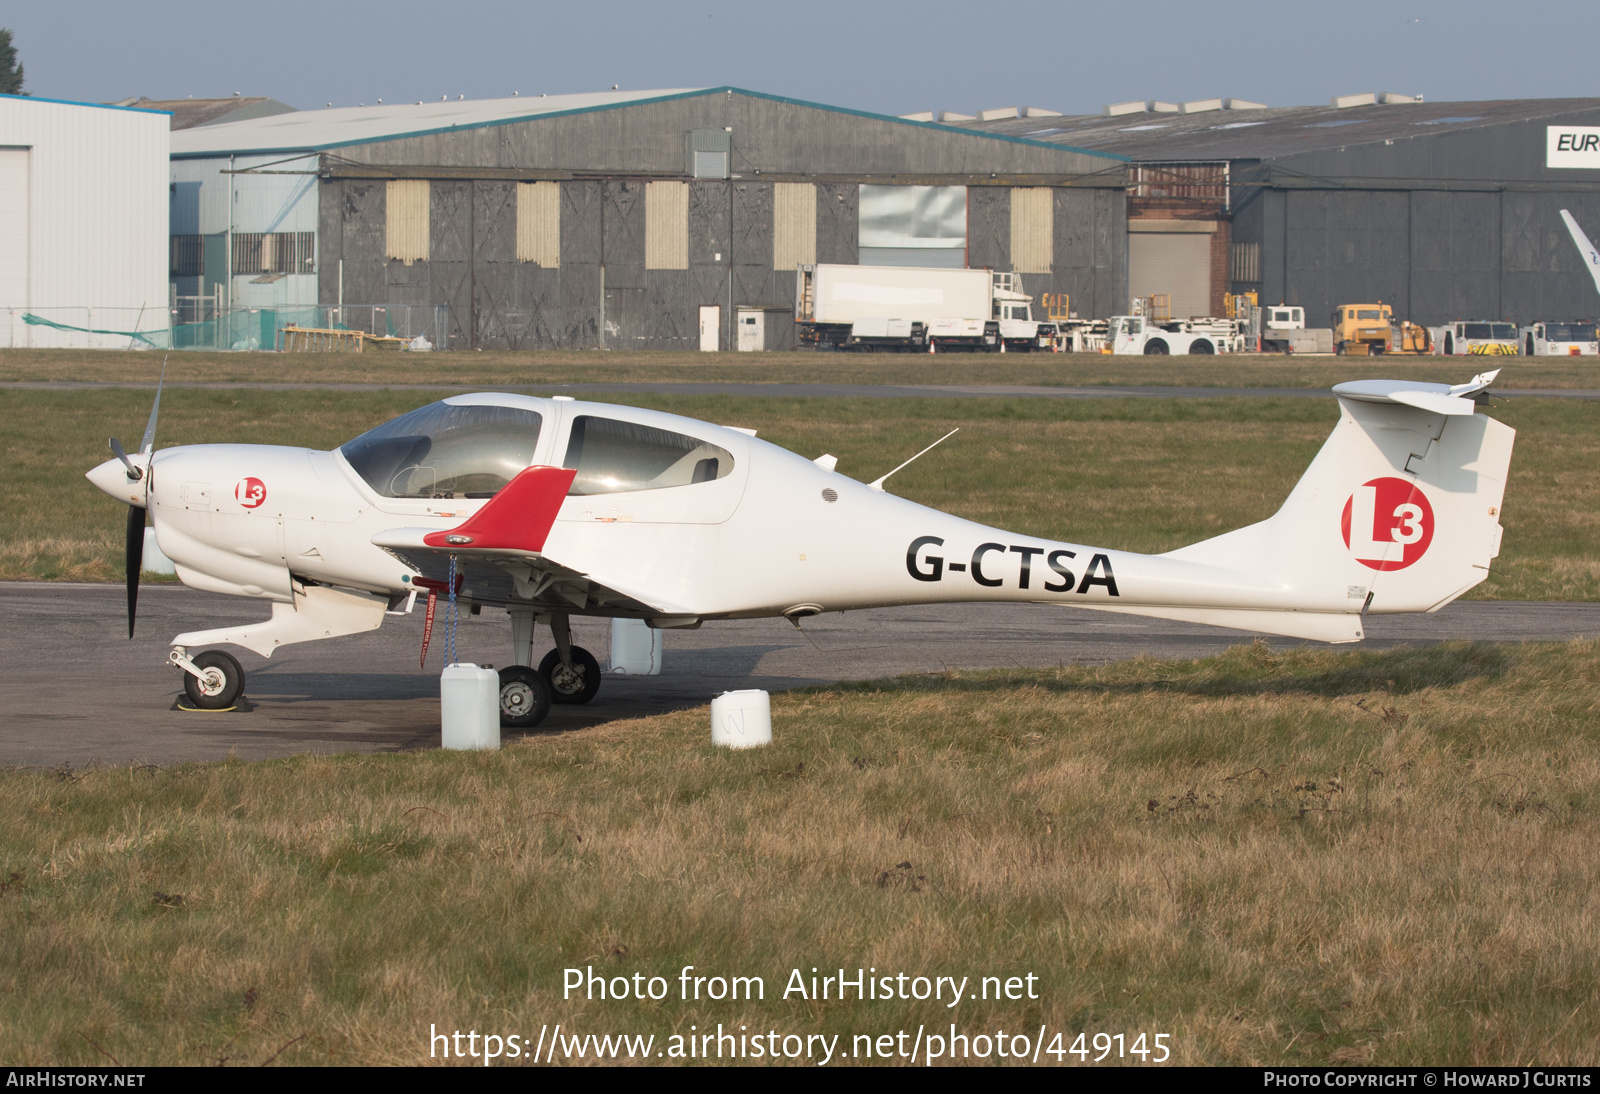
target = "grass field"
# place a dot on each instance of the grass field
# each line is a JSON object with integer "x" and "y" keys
{"x": 1302, "y": 858}
{"x": 504, "y": 368}
{"x": 1142, "y": 475}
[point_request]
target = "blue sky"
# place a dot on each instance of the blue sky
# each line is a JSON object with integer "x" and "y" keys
{"x": 890, "y": 57}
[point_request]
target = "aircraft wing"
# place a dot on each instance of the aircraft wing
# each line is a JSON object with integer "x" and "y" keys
{"x": 1591, "y": 257}
{"x": 499, "y": 554}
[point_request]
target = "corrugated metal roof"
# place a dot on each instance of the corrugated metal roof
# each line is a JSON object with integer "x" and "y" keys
{"x": 188, "y": 113}
{"x": 317, "y": 130}
{"x": 74, "y": 102}
{"x": 1276, "y": 131}
{"x": 322, "y": 130}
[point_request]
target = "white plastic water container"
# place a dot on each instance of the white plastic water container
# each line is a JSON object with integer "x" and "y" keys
{"x": 469, "y": 707}
{"x": 741, "y": 719}
{"x": 153, "y": 561}
{"x": 635, "y": 648}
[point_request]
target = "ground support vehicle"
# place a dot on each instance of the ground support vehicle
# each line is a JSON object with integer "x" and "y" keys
{"x": 915, "y": 308}
{"x": 1410, "y": 338}
{"x": 1361, "y": 330}
{"x": 1082, "y": 335}
{"x": 1283, "y": 330}
{"x": 1560, "y": 340}
{"x": 1475, "y": 337}
{"x": 1137, "y": 334}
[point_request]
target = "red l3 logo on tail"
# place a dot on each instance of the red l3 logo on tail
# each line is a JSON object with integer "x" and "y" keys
{"x": 1387, "y": 523}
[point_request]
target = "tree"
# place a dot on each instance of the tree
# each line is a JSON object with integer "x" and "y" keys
{"x": 10, "y": 71}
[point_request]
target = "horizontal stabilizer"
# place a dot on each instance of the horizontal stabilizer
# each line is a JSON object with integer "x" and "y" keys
{"x": 1435, "y": 398}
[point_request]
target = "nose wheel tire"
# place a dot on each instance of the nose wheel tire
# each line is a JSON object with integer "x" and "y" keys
{"x": 524, "y": 698}
{"x": 578, "y": 684}
{"x": 220, "y": 683}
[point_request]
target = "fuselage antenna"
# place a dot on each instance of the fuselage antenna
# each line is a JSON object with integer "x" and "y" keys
{"x": 877, "y": 484}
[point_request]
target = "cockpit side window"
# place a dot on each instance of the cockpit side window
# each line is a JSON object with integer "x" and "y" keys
{"x": 612, "y": 456}
{"x": 446, "y": 451}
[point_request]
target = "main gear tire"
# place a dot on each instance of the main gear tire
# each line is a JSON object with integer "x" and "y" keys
{"x": 524, "y": 697}
{"x": 220, "y": 684}
{"x": 578, "y": 684}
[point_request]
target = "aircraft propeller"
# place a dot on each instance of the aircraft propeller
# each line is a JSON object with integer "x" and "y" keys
{"x": 134, "y": 556}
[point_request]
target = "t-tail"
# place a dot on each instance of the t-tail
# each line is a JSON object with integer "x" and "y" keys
{"x": 1399, "y": 512}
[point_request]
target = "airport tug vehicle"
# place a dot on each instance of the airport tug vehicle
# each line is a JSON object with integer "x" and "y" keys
{"x": 550, "y": 508}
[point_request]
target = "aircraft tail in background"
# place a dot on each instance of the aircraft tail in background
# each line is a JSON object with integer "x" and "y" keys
{"x": 1591, "y": 257}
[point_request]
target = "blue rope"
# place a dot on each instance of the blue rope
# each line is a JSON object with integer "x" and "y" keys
{"x": 453, "y": 620}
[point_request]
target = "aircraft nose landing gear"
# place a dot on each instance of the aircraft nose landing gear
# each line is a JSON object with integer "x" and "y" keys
{"x": 212, "y": 680}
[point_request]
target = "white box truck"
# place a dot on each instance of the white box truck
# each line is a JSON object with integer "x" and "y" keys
{"x": 914, "y": 308}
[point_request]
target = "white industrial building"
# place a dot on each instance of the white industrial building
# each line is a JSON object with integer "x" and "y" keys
{"x": 83, "y": 224}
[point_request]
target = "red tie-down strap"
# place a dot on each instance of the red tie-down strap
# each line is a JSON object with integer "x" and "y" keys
{"x": 427, "y": 625}
{"x": 517, "y": 518}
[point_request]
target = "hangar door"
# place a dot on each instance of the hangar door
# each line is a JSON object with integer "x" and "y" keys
{"x": 1175, "y": 263}
{"x": 15, "y": 260}
{"x": 14, "y": 228}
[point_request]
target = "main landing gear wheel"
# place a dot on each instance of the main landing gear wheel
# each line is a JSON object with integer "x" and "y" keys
{"x": 524, "y": 697}
{"x": 222, "y": 684}
{"x": 578, "y": 684}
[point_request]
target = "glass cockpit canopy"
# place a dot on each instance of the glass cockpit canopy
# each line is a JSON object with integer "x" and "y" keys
{"x": 446, "y": 451}
{"x": 612, "y": 456}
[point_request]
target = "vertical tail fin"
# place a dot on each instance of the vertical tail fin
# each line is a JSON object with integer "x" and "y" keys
{"x": 1591, "y": 257}
{"x": 1399, "y": 512}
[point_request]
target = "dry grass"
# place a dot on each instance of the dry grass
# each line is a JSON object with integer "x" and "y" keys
{"x": 502, "y": 368}
{"x": 1309, "y": 857}
{"x": 1141, "y": 475}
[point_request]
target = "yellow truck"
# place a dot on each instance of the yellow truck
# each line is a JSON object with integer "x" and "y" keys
{"x": 1360, "y": 330}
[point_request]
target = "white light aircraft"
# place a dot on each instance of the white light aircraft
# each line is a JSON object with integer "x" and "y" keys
{"x": 551, "y": 508}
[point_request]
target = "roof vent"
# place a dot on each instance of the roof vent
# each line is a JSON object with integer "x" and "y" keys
{"x": 1200, "y": 106}
{"x": 1037, "y": 112}
{"x": 1394, "y": 97}
{"x": 952, "y": 116}
{"x": 1159, "y": 107}
{"x": 920, "y": 116}
{"x": 1344, "y": 102}
{"x": 997, "y": 114}
{"x": 1116, "y": 110}
{"x": 1242, "y": 104}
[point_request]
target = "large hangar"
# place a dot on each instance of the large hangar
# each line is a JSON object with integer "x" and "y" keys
{"x": 1443, "y": 210}
{"x": 83, "y": 224}
{"x": 638, "y": 220}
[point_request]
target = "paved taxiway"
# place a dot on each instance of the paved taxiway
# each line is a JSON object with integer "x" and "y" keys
{"x": 788, "y": 391}
{"x": 77, "y": 691}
